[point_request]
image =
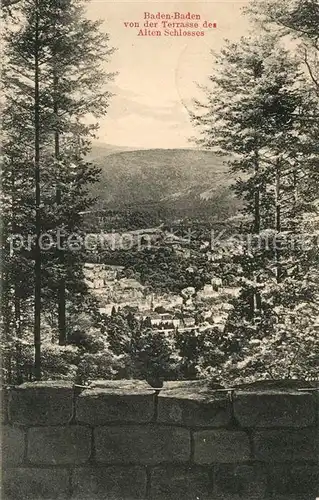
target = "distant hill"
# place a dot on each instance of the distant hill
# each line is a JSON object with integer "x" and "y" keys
{"x": 100, "y": 150}
{"x": 185, "y": 181}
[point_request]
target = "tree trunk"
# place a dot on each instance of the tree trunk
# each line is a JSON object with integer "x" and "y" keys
{"x": 257, "y": 196}
{"x": 278, "y": 224}
{"x": 17, "y": 322}
{"x": 17, "y": 288}
{"x": 61, "y": 286}
{"x": 6, "y": 312}
{"x": 37, "y": 265}
{"x": 256, "y": 302}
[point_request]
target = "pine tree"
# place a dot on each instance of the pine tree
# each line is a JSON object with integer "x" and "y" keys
{"x": 22, "y": 106}
{"x": 52, "y": 82}
{"x": 252, "y": 114}
{"x": 297, "y": 18}
{"x": 76, "y": 88}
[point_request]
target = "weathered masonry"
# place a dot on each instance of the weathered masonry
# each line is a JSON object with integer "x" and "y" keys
{"x": 123, "y": 440}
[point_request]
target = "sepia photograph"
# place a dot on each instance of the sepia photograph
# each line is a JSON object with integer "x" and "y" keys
{"x": 159, "y": 250}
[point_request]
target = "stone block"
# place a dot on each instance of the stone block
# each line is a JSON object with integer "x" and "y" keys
{"x": 12, "y": 445}
{"x": 113, "y": 483}
{"x": 145, "y": 445}
{"x": 296, "y": 482}
{"x": 116, "y": 402}
{"x": 35, "y": 484}
{"x": 187, "y": 483}
{"x": 220, "y": 447}
{"x": 286, "y": 445}
{"x": 59, "y": 445}
{"x": 237, "y": 482}
{"x": 274, "y": 409}
{"x": 193, "y": 404}
{"x": 41, "y": 403}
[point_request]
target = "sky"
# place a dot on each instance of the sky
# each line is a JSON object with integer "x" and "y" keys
{"x": 158, "y": 75}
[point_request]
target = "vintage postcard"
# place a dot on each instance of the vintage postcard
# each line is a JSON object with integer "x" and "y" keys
{"x": 160, "y": 232}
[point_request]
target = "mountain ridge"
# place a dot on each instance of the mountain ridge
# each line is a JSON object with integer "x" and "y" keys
{"x": 185, "y": 180}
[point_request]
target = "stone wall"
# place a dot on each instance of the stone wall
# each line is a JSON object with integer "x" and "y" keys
{"x": 125, "y": 440}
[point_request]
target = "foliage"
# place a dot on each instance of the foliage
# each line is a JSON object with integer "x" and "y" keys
{"x": 298, "y": 19}
{"x": 52, "y": 82}
{"x": 145, "y": 353}
{"x": 258, "y": 107}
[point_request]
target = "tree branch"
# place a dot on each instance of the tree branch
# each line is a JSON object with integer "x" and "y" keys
{"x": 312, "y": 76}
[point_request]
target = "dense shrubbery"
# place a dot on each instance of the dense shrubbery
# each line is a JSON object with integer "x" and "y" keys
{"x": 119, "y": 347}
